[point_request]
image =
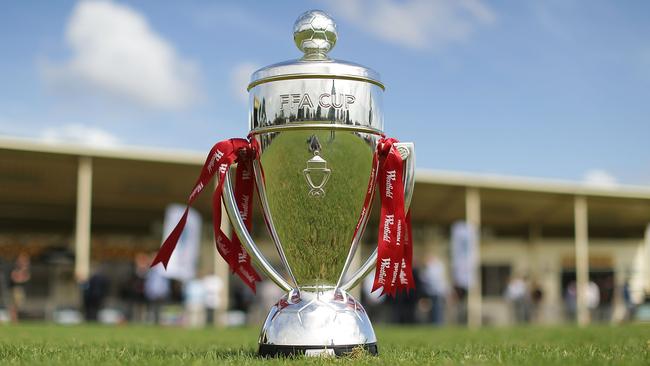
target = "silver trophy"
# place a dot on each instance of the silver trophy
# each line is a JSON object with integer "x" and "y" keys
{"x": 316, "y": 122}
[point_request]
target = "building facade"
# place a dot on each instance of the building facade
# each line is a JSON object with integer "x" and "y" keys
{"x": 75, "y": 210}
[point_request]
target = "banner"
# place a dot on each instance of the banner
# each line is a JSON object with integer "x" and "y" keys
{"x": 183, "y": 262}
{"x": 463, "y": 253}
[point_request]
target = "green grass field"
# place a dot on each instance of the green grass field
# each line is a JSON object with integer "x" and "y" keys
{"x": 131, "y": 345}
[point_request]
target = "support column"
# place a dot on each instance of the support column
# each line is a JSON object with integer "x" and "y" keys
{"x": 82, "y": 224}
{"x": 222, "y": 271}
{"x": 534, "y": 239}
{"x": 534, "y": 265}
{"x": 582, "y": 258}
{"x": 473, "y": 217}
{"x": 646, "y": 246}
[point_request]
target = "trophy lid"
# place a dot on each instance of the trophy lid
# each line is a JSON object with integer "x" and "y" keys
{"x": 314, "y": 33}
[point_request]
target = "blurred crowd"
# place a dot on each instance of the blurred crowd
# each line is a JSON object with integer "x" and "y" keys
{"x": 146, "y": 295}
{"x": 439, "y": 300}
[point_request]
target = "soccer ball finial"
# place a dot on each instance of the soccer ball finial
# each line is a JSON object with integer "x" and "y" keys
{"x": 315, "y": 34}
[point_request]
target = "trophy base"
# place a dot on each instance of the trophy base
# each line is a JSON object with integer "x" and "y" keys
{"x": 317, "y": 322}
{"x": 272, "y": 350}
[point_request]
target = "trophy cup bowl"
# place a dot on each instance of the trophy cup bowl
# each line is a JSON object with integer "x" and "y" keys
{"x": 316, "y": 123}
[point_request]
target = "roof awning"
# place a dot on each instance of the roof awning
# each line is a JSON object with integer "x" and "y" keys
{"x": 132, "y": 187}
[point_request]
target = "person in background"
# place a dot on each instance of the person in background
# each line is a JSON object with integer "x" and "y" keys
{"x": 18, "y": 278}
{"x": 157, "y": 290}
{"x": 433, "y": 277}
{"x": 459, "y": 299}
{"x": 517, "y": 294}
{"x": 212, "y": 286}
{"x": 95, "y": 291}
{"x": 570, "y": 299}
{"x": 373, "y": 302}
{"x": 193, "y": 298}
{"x": 404, "y": 304}
{"x": 133, "y": 288}
{"x": 593, "y": 298}
{"x": 242, "y": 300}
{"x": 268, "y": 294}
{"x": 630, "y": 306}
{"x": 537, "y": 296}
{"x": 606, "y": 298}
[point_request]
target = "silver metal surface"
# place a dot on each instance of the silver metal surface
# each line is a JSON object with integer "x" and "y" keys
{"x": 315, "y": 233}
{"x": 407, "y": 151}
{"x": 324, "y": 101}
{"x": 259, "y": 183}
{"x": 363, "y": 222}
{"x": 315, "y": 126}
{"x": 315, "y": 34}
{"x": 319, "y": 317}
{"x": 247, "y": 241}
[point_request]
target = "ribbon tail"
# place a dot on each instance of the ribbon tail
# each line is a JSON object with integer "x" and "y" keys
{"x": 409, "y": 253}
{"x": 167, "y": 248}
{"x": 248, "y": 275}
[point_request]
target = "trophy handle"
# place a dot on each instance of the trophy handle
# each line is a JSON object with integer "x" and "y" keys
{"x": 407, "y": 151}
{"x": 245, "y": 238}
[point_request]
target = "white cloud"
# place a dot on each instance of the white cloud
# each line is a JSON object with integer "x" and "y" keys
{"x": 81, "y": 134}
{"x": 115, "y": 52}
{"x": 419, "y": 24}
{"x": 600, "y": 178}
{"x": 240, "y": 78}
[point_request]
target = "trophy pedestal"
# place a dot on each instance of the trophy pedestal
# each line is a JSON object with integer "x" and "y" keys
{"x": 315, "y": 323}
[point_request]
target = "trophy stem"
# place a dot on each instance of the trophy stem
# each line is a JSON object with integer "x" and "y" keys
{"x": 268, "y": 219}
{"x": 244, "y": 236}
{"x": 355, "y": 244}
{"x": 318, "y": 322}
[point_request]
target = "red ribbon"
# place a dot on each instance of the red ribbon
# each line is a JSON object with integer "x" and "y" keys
{"x": 394, "y": 248}
{"x": 393, "y": 271}
{"x": 221, "y": 156}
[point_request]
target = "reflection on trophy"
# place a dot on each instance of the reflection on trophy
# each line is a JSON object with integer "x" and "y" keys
{"x": 316, "y": 123}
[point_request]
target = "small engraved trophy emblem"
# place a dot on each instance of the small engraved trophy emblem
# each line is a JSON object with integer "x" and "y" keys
{"x": 316, "y": 171}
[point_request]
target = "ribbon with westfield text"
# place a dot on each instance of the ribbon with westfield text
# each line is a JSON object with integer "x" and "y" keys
{"x": 221, "y": 156}
{"x": 393, "y": 271}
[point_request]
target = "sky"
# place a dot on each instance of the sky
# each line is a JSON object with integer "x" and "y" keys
{"x": 554, "y": 89}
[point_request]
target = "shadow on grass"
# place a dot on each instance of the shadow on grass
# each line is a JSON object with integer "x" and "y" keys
{"x": 234, "y": 354}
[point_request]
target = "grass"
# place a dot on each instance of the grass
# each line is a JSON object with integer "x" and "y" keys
{"x": 134, "y": 345}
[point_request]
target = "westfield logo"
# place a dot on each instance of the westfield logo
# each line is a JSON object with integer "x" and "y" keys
{"x": 388, "y": 221}
{"x": 391, "y": 176}
{"x": 385, "y": 264}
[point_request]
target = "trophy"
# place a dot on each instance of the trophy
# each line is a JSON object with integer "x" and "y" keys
{"x": 316, "y": 123}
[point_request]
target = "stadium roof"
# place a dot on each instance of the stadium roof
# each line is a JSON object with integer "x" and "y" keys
{"x": 39, "y": 180}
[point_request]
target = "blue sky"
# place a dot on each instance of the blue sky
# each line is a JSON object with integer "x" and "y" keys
{"x": 555, "y": 89}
